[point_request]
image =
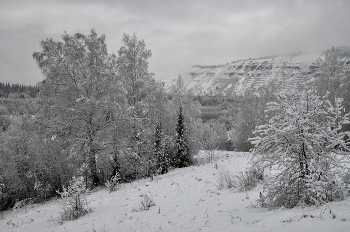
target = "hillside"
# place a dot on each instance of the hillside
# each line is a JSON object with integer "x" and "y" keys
{"x": 186, "y": 200}
{"x": 242, "y": 76}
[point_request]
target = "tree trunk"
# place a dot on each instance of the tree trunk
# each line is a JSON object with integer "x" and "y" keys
{"x": 93, "y": 178}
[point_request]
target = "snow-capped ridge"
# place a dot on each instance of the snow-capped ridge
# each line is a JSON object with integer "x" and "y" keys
{"x": 250, "y": 75}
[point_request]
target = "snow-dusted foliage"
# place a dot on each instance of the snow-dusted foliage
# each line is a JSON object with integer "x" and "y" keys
{"x": 225, "y": 178}
{"x": 304, "y": 147}
{"x": 95, "y": 117}
{"x": 144, "y": 104}
{"x": 73, "y": 200}
{"x": 113, "y": 184}
{"x": 146, "y": 203}
{"x": 331, "y": 75}
{"x": 161, "y": 157}
{"x": 81, "y": 95}
{"x": 132, "y": 60}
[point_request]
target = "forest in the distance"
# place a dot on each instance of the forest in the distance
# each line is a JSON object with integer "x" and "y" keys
{"x": 98, "y": 115}
{"x": 17, "y": 91}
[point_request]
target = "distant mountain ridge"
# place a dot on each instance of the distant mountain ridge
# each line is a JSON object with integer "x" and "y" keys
{"x": 250, "y": 75}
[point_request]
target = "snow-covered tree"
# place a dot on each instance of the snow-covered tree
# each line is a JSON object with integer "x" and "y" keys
{"x": 162, "y": 160}
{"x": 141, "y": 90}
{"x": 331, "y": 73}
{"x": 333, "y": 77}
{"x": 80, "y": 94}
{"x": 133, "y": 68}
{"x": 145, "y": 100}
{"x": 304, "y": 148}
{"x": 74, "y": 200}
{"x": 209, "y": 136}
{"x": 190, "y": 109}
{"x": 182, "y": 153}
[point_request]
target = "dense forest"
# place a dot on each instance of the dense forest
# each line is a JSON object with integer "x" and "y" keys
{"x": 99, "y": 116}
{"x": 18, "y": 91}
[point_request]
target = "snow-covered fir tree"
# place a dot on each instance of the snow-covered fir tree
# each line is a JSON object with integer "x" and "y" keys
{"x": 182, "y": 154}
{"x": 161, "y": 157}
{"x": 304, "y": 148}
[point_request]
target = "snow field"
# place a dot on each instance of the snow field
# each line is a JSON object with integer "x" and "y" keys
{"x": 185, "y": 200}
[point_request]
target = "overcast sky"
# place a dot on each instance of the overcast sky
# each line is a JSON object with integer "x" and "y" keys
{"x": 179, "y": 33}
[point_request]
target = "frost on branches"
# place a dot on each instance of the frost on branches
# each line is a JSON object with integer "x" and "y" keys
{"x": 73, "y": 200}
{"x": 305, "y": 148}
{"x": 113, "y": 184}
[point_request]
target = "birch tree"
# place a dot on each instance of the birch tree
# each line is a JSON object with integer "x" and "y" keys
{"x": 144, "y": 96}
{"x": 80, "y": 93}
{"x": 304, "y": 148}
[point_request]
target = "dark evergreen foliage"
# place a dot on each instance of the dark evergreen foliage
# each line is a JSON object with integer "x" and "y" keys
{"x": 18, "y": 91}
{"x": 182, "y": 154}
{"x": 160, "y": 154}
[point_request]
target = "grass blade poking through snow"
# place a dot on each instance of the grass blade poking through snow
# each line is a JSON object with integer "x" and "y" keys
{"x": 146, "y": 203}
{"x": 225, "y": 178}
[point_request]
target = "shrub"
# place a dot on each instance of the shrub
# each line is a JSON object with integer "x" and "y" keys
{"x": 225, "y": 178}
{"x": 248, "y": 179}
{"x": 73, "y": 200}
{"x": 290, "y": 194}
{"x": 146, "y": 203}
{"x": 113, "y": 184}
{"x": 23, "y": 203}
{"x": 205, "y": 156}
{"x": 319, "y": 192}
{"x": 42, "y": 191}
{"x": 243, "y": 181}
{"x": 346, "y": 180}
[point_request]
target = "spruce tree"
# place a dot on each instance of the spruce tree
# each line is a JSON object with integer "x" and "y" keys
{"x": 182, "y": 156}
{"x": 161, "y": 156}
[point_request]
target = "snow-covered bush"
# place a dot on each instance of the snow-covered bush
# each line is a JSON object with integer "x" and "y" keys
{"x": 243, "y": 181}
{"x": 204, "y": 157}
{"x": 74, "y": 200}
{"x": 145, "y": 203}
{"x": 305, "y": 148}
{"x": 113, "y": 184}
{"x": 319, "y": 192}
{"x": 23, "y": 203}
{"x": 346, "y": 180}
{"x": 43, "y": 191}
{"x": 248, "y": 179}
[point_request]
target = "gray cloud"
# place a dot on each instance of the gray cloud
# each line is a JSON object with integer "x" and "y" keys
{"x": 179, "y": 33}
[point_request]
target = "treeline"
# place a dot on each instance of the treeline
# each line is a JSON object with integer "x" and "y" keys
{"x": 18, "y": 91}
{"x": 236, "y": 116}
{"x": 210, "y": 66}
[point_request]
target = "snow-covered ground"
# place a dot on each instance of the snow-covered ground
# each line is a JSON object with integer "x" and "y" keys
{"x": 185, "y": 200}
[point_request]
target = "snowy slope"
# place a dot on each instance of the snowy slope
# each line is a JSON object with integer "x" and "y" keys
{"x": 238, "y": 77}
{"x": 186, "y": 200}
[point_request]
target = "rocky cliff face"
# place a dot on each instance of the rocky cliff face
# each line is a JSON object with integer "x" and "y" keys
{"x": 239, "y": 77}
